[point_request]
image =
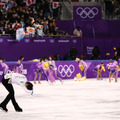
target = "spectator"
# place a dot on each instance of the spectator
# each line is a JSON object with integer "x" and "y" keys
{"x": 47, "y": 8}
{"x": 118, "y": 51}
{"x": 67, "y": 57}
{"x": 1, "y": 15}
{"x": 95, "y": 53}
{"x": 57, "y": 57}
{"x": 2, "y": 30}
{"x": 67, "y": 35}
{"x": 73, "y": 53}
{"x": 82, "y": 57}
{"x": 115, "y": 56}
{"x": 47, "y": 32}
{"x": 77, "y": 32}
{"x": 36, "y": 24}
{"x": 22, "y": 23}
{"x": 56, "y": 8}
{"x": 9, "y": 29}
{"x": 39, "y": 32}
{"x": 9, "y": 5}
{"x": 45, "y": 28}
{"x": 52, "y": 29}
{"x": 109, "y": 8}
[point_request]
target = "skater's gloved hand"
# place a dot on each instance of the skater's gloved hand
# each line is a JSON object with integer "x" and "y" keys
{"x": 9, "y": 82}
{"x": 32, "y": 92}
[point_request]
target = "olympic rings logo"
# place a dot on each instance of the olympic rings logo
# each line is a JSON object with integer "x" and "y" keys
{"x": 66, "y": 70}
{"x": 87, "y": 12}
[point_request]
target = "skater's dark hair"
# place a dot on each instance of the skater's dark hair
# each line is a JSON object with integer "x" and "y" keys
{"x": 1, "y": 58}
{"x": 41, "y": 59}
{"x": 81, "y": 58}
{"x": 45, "y": 59}
{"x": 4, "y": 60}
{"x": 29, "y": 86}
{"x": 51, "y": 57}
{"x": 21, "y": 57}
{"x": 101, "y": 63}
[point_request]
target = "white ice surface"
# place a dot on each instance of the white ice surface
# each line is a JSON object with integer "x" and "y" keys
{"x": 84, "y": 100}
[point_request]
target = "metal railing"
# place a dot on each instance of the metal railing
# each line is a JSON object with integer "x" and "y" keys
{"x": 47, "y": 36}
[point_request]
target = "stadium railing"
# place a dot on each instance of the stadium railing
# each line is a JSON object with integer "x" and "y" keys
{"x": 53, "y": 36}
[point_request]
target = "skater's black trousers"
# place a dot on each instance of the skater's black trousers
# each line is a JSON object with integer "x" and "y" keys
{"x": 10, "y": 95}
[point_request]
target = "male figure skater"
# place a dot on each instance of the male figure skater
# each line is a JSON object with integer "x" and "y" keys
{"x": 7, "y": 81}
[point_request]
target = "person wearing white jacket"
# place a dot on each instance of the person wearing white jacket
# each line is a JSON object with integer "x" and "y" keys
{"x": 18, "y": 79}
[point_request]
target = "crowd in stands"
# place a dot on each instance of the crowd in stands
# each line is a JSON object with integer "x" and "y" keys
{"x": 16, "y": 14}
{"x": 116, "y": 7}
{"x": 112, "y": 8}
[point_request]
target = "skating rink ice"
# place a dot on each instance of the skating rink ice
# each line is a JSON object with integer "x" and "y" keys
{"x": 84, "y": 100}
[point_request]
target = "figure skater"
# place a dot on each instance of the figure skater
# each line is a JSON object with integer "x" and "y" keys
{"x": 54, "y": 68}
{"x": 119, "y": 62}
{"x": 99, "y": 69}
{"x": 21, "y": 59}
{"x": 4, "y": 66}
{"x": 115, "y": 63}
{"x": 45, "y": 67}
{"x": 38, "y": 70}
{"x": 18, "y": 67}
{"x": 50, "y": 76}
{"x": 112, "y": 69}
{"x": 83, "y": 66}
{"x": 7, "y": 81}
{"x": 48, "y": 71}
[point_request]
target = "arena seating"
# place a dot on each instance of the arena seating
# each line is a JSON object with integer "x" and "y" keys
{"x": 16, "y": 14}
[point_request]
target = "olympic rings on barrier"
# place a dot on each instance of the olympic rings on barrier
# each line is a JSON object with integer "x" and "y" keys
{"x": 87, "y": 12}
{"x": 66, "y": 70}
